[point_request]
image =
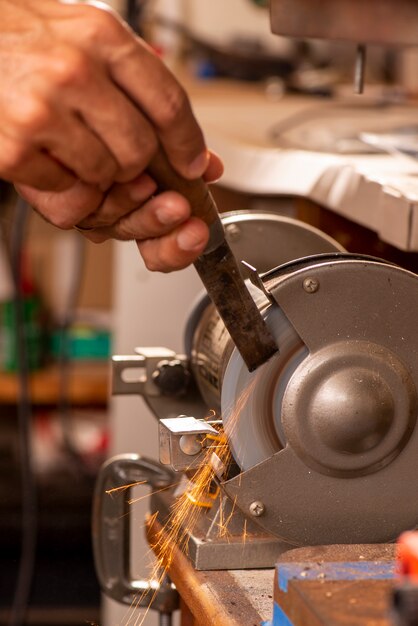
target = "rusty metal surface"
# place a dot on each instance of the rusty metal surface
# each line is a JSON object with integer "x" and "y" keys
{"x": 387, "y": 22}
{"x": 219, "y": 273}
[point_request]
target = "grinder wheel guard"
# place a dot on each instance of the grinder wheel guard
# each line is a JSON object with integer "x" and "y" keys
{"x": 325, "y": 433}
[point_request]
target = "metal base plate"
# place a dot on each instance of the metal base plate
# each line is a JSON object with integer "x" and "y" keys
{"x": 209, "y": 547}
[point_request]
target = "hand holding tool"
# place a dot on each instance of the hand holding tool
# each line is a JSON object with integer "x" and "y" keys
{"x": 218, "y": 269}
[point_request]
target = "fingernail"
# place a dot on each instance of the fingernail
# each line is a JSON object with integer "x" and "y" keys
{"x": 199, "y": 165}
{"x": 188, "y": 240}
{"x": 167, "y": 215}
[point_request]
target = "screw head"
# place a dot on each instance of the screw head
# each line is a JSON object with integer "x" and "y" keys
{"x": 257, "y": 508}
{"x": 311, "y": 285}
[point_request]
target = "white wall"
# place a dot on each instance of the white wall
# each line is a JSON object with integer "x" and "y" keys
{"x": 220, "y": 21}
{"x": 149, "y": 310}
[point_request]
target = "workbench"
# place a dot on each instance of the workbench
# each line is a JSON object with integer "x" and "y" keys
{"x": 345, "y": 585}
{"x": 218, "y": 598}
{"x": 274, "y": 148}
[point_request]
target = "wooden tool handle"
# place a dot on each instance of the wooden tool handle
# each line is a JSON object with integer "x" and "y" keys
{"x": 195, "y": 191}
{"x": 218, "y": 269}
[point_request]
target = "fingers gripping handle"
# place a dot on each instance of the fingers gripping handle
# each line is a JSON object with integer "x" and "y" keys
{"x": 197, "y": 193}
{"x": 111, "y": 523}
{"x": 219, "y": 271}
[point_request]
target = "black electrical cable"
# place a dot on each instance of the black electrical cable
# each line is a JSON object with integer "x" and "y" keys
{"x": 29, "y": 510}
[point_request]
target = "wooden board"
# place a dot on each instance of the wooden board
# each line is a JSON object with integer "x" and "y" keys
{"x": 335, "y": 586}
{"x": 338, "y": 603}
{"x": 219, "y": 598}
{"x": 89, "y": 384}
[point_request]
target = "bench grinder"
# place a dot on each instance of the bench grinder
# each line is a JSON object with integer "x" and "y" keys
{"x": 325, "y": 445}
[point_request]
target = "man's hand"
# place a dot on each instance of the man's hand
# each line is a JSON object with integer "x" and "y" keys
{"x": 167, "y": 236}
{"x": 84, "y": 105}
{"x": 81, "y": 97}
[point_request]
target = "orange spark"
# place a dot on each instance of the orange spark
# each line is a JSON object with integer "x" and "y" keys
{"x": 124, "y": 487}
{"x": 200, "y": 494}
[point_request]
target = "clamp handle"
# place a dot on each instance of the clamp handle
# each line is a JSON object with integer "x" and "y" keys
{"x": 111, "y": 532}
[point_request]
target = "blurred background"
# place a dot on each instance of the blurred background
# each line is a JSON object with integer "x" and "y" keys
{"x": 263, "y": 101}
